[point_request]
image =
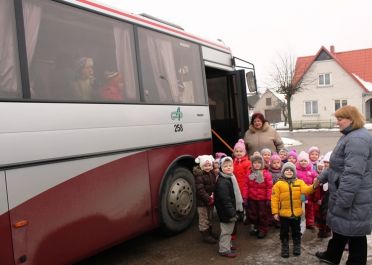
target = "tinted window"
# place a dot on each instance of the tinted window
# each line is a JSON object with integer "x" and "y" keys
{"x": 77, "y": 55}
{"x": 171, "y": 69}
{"x": 9, "y": 67}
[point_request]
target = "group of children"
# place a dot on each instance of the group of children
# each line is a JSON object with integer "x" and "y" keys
{"x": 264, "y": 189}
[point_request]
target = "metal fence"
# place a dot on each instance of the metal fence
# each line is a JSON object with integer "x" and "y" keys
{"x": 314, "y": 124}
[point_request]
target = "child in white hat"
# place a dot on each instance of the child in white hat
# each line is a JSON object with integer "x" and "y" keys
{"x": 205, "y": 183}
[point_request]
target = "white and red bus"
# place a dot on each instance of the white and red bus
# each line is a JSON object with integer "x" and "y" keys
{"x": 102, "y": 115}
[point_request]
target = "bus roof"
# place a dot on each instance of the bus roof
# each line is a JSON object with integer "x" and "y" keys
{"x": 147, "y": 22}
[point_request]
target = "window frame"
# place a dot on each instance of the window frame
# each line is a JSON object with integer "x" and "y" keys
{"x": 268, "y": 101}
{"x": 341, "y": 103}
{"x": 312, "y": 107}
{"x": 322, "y": 76}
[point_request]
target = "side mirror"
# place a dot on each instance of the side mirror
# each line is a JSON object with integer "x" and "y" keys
{"x": 251, "y": 81}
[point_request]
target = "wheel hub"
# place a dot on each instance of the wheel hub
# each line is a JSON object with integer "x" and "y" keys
{"x": 180, "y": 198}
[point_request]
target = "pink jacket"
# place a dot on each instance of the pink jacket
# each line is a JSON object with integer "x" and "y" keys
{"x": 260, "y": 191}
{"x": 306, "y": 174}
{"x": 241, "y": 169}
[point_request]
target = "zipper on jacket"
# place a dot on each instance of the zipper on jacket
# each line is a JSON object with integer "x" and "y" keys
{"x": 290, "y": 197}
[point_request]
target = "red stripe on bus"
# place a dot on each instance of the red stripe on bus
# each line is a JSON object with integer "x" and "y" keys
{"x": 151, "y": 23}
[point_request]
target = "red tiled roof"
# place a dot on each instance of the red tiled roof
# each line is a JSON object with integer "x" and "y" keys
{"x": 357, "y": 62}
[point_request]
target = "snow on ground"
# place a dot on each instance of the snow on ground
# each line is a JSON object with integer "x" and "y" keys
{"x": 290, "y": 142}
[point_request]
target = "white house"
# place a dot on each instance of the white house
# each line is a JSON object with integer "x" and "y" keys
{"x": 271, "y": 104}
{"x": 331, "y": 80}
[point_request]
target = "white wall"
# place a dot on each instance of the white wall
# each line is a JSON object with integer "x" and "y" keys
{"x": 343, "y": 86}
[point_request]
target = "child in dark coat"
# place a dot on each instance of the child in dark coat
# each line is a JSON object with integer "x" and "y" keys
{"x": 205, "y": 183}
{"x": 228, "y": 202}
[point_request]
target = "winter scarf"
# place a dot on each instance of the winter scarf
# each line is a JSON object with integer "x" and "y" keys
{"x": 238, "y": 195}
{"x": 257, "y": 176}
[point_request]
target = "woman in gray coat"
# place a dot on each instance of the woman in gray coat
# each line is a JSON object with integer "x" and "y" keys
{"x": 350, "y": 186}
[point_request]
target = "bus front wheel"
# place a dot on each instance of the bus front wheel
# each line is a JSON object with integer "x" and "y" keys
{"x": 178, "y": 201}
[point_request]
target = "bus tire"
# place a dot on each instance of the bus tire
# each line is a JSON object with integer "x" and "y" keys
{"x": 178, "y": 201}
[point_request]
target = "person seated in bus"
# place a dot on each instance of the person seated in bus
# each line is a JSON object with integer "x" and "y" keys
{"x": 84, "y": 78}
{"x": 113, "y": 87}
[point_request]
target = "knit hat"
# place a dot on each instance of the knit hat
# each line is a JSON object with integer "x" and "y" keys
{"x": 303, "y": 156}
{"x": 293, "y": 153}
{"x": 240, "y": 144}
{"x": 283, "y": 150}
{"x": 291, "y": 166}
{"x": 224, "y": 159}
{"x": 257, "y": 157}
{"x": 265, "y": 150}
{"x": 313, "y": 148}
{"x": 327, "y": 156}
{"x": 219, "y": 155}
{"x": 274, "y": 157}
{"x": 203, "y": 159}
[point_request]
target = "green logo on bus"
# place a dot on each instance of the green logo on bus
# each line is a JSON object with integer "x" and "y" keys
{"x": 176, "y": 115}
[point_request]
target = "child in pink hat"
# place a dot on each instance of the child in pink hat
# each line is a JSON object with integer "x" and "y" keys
{"x": 307, "y": 174}
{"x": 314, "y": 153}
{"x": 292, "y": 156}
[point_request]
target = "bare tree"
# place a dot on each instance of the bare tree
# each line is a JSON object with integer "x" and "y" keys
{"x": 285, "y": 82}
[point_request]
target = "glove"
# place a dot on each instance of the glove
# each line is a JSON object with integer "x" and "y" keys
{"x": 211, "y": 201}
{"x": 233, "y": 219}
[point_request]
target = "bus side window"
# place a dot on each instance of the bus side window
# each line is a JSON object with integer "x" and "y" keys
{"x": 80, "y": 47}
{"x": 9, "y": 68}
{"x": 171, "y": 69}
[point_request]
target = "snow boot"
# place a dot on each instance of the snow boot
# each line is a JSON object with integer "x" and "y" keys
{"x": 297, "y": 247}
{"x": 214, "y": 235}
{"x": 285, "y": 248}
{"x": 207, "y": 238}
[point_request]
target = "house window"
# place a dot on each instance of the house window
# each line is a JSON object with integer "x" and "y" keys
{"x": 324, "y": 79}
{"x": 311, "y": 107}
{"x": 268, "y": 101}
{"x": 339, "y": 103}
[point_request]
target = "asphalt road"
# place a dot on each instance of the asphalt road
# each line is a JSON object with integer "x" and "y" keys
{"x": 187, "y": 247}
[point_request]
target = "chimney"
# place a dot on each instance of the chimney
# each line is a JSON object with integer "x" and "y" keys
{"x": 332, "y": 48}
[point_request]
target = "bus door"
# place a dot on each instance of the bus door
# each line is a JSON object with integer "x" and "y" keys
{"x": 228, "y": 107}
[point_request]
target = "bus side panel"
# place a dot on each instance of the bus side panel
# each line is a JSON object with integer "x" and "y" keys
{"x": 6, "y": 247}
{"x": 161, "y": 158}
{"x": 83, "y": 215}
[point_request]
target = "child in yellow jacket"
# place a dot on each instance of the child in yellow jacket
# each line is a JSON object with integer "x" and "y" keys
{"x": 286, "y": 206}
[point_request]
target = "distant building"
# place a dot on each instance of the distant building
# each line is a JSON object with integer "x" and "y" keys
{"x": 252, "y": 100}
{"x": 271, "y": 104}
{"x": 332, "y": 80}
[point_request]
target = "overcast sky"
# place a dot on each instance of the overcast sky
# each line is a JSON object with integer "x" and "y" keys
{"x": 261, "y": 30}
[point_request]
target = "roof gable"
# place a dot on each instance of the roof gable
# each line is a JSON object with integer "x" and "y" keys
{"x": 355, "y": 63}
